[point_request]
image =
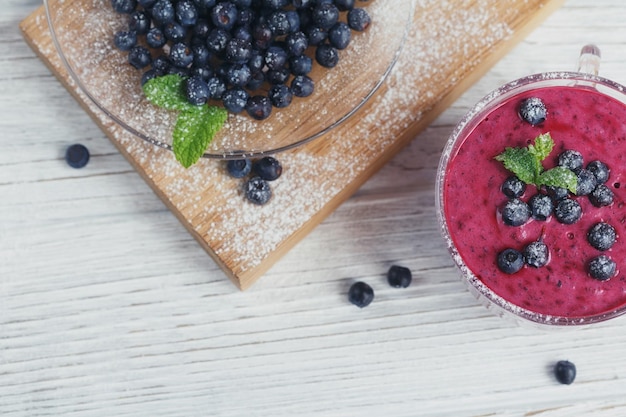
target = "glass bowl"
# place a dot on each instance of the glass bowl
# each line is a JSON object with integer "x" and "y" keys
{"x": 547, "y": 286}
{"x": 82, "y": 31}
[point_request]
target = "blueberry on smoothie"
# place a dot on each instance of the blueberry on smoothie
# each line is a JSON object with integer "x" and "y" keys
{"x": 571, "y": 159}
{"x": 510, "y": 261}
{"x": 600, "y": 170}
{"x": 602, "y": 236}
{"x": 541, "y": 206}
{"x": 568, "y": 211}
{"x": 602, "y": 267}
{"x": 601, "y": 196}
{"x": 533, "y": 111}
{"x": 536, "y": 254}
{"x": 586, "y": 182}
{"x": 515, "y": 212}
{"x": 513, "y": 187}
{"x": 565, "y": 372}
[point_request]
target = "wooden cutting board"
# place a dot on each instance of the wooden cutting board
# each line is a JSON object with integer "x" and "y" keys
{"x": 451, "y": 44}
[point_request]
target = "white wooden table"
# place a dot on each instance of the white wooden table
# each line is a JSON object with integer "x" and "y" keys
{"x": 109, "y": 308}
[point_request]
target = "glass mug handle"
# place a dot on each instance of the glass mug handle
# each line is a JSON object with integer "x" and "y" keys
{"x": 589, "y": 59}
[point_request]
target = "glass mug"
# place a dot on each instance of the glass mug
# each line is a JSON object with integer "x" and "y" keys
{"x": 585, "y": 113}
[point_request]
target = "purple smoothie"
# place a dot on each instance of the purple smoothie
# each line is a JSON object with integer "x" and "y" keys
{"x": 579, "y": 118}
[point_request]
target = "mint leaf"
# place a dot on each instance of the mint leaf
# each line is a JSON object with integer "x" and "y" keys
{"x": 559, "y": 177}
{"x": 520, "y": 162}
{"x": 542, "y": 147}
{"x": 167, "y": 92}
{"x": 194, "y": 130}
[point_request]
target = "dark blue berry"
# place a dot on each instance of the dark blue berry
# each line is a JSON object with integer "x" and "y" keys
{"x": 139, "y": 57}
{"x": 181, "y": 72}
{"x": 174, "y": 32}
{"x": 344, "y": 5}
{"x": 277, "y": 76}
{"x": 155, "y": 38}
{"x": 586, "y": 182}
{"x": 238, "y": 51}
{"x": 278, "y": 23}
{"x": 302, "y": 86}
{"x": 513, "y": 187}
{"x": 238, "y": 75}
{"x": 601, "y": 196}
{"x": 297, "y": 43}
{"x": 293, "y": 17}
{"x": 602, "y": 268}
{"x": 339, "y": 35}
{"x": 196, "y": 90}
{"x": 280, "y": 95}
{"x": 300, "y": 65}
{"x": 217, "y": 87}
{"x": 533, "y": 111}
{"x": 268, "y": 168}
{"x": 201, "y": 29}
{"x": 148, "y": 75}
{"x": 238, "y": 168}
{"x": 315, "y": 35}
{"x": 257, "y": 190}
{"x": 181, "y": 55}
{"x": 536, "y": 254}
{"x": 275, "y": 57}
{"x": 124, "y": 40}
{"x": 565, "y": 372}
{"x": 217, "y": 39}
{"x": 557, "y": 193}
{"x": 186, "y": 13}
{"x": 262, "y": 35}
{"x": 326, "y": 55}
{"x": 510, "y": 261}
{"x": 146, "y": 4}
{"x": 571, "y": 159}
{"x": 275, "y": 4}
{"x": 161, "y": 65}
{"x": 139, "y": 22}
{"x": 243, "y": 33}
{"x": 600, "y": 170}
{"x": 325, "y": 15}
{"x": 601, "y": 236}
{"x": 201, "y": 55}
{"x": 568, "y": 211}
{"x": 399, "y": 276}
{"x": 77, "y": 155}
{"x": 203, "y": 72}
{"x": 163, "y": 12}
{"x": 541, "y": 206}
{"x": 224, "y": 15}
{"x": 124, "y": 6}
{"x": 256, "y": 81}
{"x": 515, "y": 212}
{"x": 235, "y": 99}
{"x": 359, "y": 19}
{"x": 360, "y": 294}
{"x": 259, "y": 107}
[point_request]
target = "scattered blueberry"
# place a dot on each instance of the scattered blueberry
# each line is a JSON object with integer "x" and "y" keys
{"x": 235, "y": 100}
{"x": 268, "y": 168}
{"x": 155, "y": 38}
{"x": 601, "y": 196}
{"x": 359, "y": 19}
{"x": 565, "y": 372}
{"x": 399, "y": 276}
{"x": 326, "y": 55}
{"x": 302, "y": 86}
{"x": 602, "y": 268}
{"x": 557, "y": 193}
{"x": 600, "y": 170}
{"x": 259, "y": 107}
{"x": 139, "y": 22}
{"x": 536, "y": 254}
{"x": 77, "y": 155}
{"x": 238, "y": 168}
{"x": 139, "y": 57}
{"x": 602, "y": 236}
{"x": 360, "y": 294}
{"x": 339, "y": 35}
{"x": 510, "y": 261}
{"x": 515, "y": 212}
{"x": 513, "y": 187}
{"x": 568, "y": 211}
{"x": 124, "y": 40}
{"x": 586, "y": 182}
{"x": 533, "y": 111}
{"x": 224, "y": 15}
{"x": 280, "y": 95}
{"x": 571, "y": 159}
{"x": 257, "y": 190}
{"x": 325, "y": 15}
{"x": 163, "y": 12}
{"x": 541, "y": 206}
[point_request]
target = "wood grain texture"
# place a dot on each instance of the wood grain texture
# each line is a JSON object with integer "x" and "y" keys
{"x": 450, "y": 45}
{"x": 109, "y": 308}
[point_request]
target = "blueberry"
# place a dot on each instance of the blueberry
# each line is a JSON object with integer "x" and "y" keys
{"x": 124, "y": 6}
{"x": 201, "y": 29}
{"x": 163, "y": 12}
{"x": 217, "y": 87}
{"x": 359, "y": 19}
{"x": 181, "y": 55}
{"x": 275, "y": 57}
{"x": 238, "y": 168}
{"x": 510, "y": 261}
{"x": 257, "y": 190}
{"x": 571, "y": 159}
{"x": 77, "y": 155}
{"x": 586, "y": 182}
{"x": 278, "y": 76}
{"x": 174, "y": 32}
{"x": 533, "y": 111}
{"x": 316, "y": 35}
{"x": 326, "y": 55}
{"x": 602, "y": 268}
{"x": 235, "y": 99}
{"x": 268, "y": 168}
{"x": 536, "y": 254}
{"x": 275, "y": 4}
{"x": 124, "y": 40}
{"x": 339, "y": 35}
{"x": 515, "y": 212}
{"x": 201, "y": 55}
{"x": 565, "y": 372}
{"x": 300, "y": 65}
{"x": 259, "y": 107}
{"x": 146, "y": 4}
{"x": 601, "y": 236}
{"x": 601, "y": 196}
{"x": 344, "y": 5}
{"x": 513, "y": 187}
{"x": 217, "y": 39}
{"x": 139, "y": 22}
{"x": 302, "y": 86}
{"x": 155, "y": 38}
{"x": 280, "y": 95}
{"x": 360, "y": 294}
{"x": 186, "y": 13}
{"x": 600, "y": 170}
{"x": 238, "y": 75}
{"x": 139, "y": 57}
{"x": 278, "y": 23}
{"x": 557, "y": 193}
{"x": 399, "y": 276}
{"x": 256, "y": 81}
{"x": 196, "y": 90}
{"x": 238, "y": 51}
{"x": 262, "y": 35}
{"x": 325, "y": 15}
{"x": 161, "y": 65}
{"x": 541, "y": 206}
{"x": 568, "y": 211}
{"x": 297, "y": 43}
{"x": 224, "y": 15}
{"x": 293, "y": 17}
{"x": 148, "y": 75}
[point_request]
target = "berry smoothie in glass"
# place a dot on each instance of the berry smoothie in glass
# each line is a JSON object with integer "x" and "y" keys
{"x": 531, "y": 197}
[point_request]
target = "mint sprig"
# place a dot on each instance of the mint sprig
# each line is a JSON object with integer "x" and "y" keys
{"x": 526, "y": 164}
{"x": 195, "y": 125}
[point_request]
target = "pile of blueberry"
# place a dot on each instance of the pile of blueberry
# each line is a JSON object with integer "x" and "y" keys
{"x": 361, "y": 294}
{"x": 560, "y": 203}
{"x": 249, "y": 55}
{"x": 259, "y": 174}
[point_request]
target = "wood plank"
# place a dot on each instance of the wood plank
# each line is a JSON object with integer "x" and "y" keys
{"x": 450, "y": 45}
